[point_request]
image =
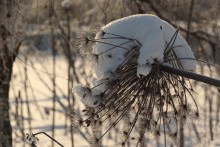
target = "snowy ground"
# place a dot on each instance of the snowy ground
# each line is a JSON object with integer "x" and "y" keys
{"x": 41, "y": 111}
{"x": 41, "y": 119}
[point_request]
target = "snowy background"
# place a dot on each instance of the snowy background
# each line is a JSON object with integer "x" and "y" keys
{"x": 34, "y": 107}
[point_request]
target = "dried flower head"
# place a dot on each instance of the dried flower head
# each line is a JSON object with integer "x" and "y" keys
{"x": 31, "y": 139}
{"x": 158, "y": 100}
{"x": 85, "y": 41}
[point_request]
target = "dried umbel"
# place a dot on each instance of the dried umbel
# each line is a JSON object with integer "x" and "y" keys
{"x": 31, "y": 139}
{"x": 158, "y": 101}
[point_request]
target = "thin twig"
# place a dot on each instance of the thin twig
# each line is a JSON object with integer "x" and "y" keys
{"x": 48, "y": 137}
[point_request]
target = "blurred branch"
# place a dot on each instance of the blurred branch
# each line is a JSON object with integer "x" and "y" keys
{"x": 159, "y": 14}
{"x": 190, "y": 18}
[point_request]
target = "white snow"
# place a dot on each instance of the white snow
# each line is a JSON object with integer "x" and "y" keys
{"x": 150, "y": 31}
{"x": 44, "y": 100}
{"x": 99, "y": 86}
{"x": 143, "y": 70}
{"x": 66, "y": 4}
{"x": 121, "y": 36}
{"x": 87, "y": 95}
{"x": 81, "y": 90}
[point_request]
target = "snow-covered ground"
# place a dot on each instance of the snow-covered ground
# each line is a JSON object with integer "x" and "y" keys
{"x": 44, "y": 100}
{"x": 40, "y": 100}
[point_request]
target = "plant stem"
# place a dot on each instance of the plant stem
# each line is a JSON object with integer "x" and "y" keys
{"x": 190, "y": 75}
{"x": 49, "y": 137}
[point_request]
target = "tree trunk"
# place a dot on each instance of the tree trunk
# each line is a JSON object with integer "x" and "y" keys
{"x": 8, "y": 52}
{"x": 5, "y": 126}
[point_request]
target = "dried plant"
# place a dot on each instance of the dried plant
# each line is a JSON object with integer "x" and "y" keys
{"x": 160, "y": 100}
{"x": 32, "y": 139}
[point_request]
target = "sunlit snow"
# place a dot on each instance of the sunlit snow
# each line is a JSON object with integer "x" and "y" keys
{"x": 119, "y": 38}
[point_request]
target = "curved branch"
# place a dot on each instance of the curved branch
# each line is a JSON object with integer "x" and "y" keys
{"x": 49, "y": 137}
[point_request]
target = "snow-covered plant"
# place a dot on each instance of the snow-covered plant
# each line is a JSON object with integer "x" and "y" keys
{"x": 129, "y": 53}
{"x": 31, "y": 139}
{"x": 67, "y": 4}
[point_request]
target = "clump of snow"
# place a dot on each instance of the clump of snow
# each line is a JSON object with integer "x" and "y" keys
{"x": 31, "y": 139}
{"x": 81, "y": 90}
{"x": 143, "y": 70}
{"x": 88, "y": 97}
{"x": 99, "y": 86}
{"x": 67, "y": 4}
{"x": 150, "y": 31}
{"x": 115, "y": 41}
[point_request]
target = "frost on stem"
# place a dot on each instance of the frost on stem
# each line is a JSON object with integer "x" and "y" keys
{"x": 87, "y": 96}
{"x": 128, "y": 77}
{"x": 31, "y": 139}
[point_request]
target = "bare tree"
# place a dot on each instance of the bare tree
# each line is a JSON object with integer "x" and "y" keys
{"x": 8, "y": 51}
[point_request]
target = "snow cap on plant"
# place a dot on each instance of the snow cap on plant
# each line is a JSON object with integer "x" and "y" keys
{"x": 147, "y": 31}
{"x": 88, "y": 97}
{"x": 128, "y": 75}
{"x": 31, "y": 139}
{"x": 67, "y": 4}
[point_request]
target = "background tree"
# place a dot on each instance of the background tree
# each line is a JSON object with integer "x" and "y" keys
{"x": 10, "y": 41}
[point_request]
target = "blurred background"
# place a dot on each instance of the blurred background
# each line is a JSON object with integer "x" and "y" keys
{"x": 40, "y": 63}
